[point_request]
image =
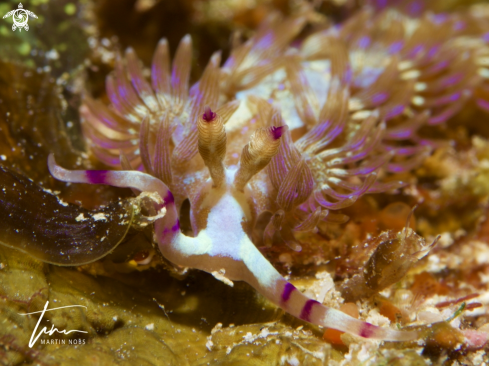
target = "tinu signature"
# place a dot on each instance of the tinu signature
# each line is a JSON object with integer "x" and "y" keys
{"x": 44, "y": 330}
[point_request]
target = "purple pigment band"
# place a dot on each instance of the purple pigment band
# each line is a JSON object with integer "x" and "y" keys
{"x": 306, "y": 310}
{"x": 176, "y": 227}
{"x": 367, "y": 330}
{"x": 288, "y": 288}
{"x": 277, "y": 132}
{"x": 96, "y": 176}
{"x": 169, "y": 198}
{"x": 208, "y": 115}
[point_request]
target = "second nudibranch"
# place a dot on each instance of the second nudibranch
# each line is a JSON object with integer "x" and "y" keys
{"x": 222, "y": 245}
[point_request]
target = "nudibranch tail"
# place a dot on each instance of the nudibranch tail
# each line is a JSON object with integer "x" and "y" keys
{"x": 265, "y": 278}
{"x": 125, "y": 179}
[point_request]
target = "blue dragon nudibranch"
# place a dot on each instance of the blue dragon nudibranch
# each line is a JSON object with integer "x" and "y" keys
{"x": 184, "y": 143}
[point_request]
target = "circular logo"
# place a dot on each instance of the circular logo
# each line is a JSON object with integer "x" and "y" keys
{"x": 20, "y": 18}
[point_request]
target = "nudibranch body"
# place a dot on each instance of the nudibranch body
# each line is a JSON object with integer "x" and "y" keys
{"x": 342, "y": 124}
{"x": 223, "y": 246}
{"x": 227, "y": 197}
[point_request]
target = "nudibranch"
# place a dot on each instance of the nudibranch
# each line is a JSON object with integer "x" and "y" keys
{"x": 226, "y": 211}
{"x": 181, "y": 143}
{"x": 320, "y": 121}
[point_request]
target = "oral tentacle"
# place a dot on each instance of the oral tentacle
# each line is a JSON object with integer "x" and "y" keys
{"x": 126, "y": 179}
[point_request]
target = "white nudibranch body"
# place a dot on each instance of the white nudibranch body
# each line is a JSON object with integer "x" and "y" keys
{"x": 317, "y": 125}
{"x": 223, "y": 214}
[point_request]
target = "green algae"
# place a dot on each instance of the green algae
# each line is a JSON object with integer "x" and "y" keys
{"x": 136, "y": 325}
{"x": 121, "y": 322}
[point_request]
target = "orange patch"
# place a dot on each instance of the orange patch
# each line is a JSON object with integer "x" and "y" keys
{"x": 391, "y": 312}
{"x": 333, "y": 336}
{"x": 425, "y": 285}
{"x": 394, "y": 216}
